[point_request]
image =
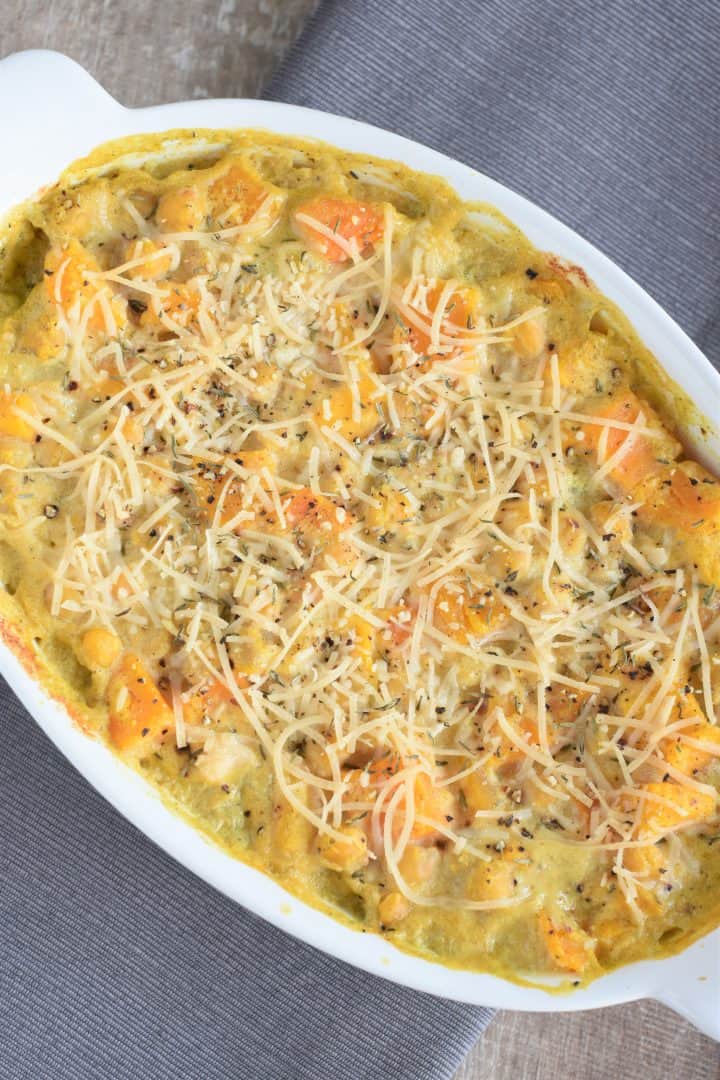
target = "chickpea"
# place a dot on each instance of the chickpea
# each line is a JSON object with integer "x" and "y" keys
{"x": 101, "y": 647}
{"x": 393, "y": 908}
{"x": 346, "y": 855}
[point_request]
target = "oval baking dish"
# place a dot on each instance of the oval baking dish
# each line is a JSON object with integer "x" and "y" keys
{"x": 80, "y": 116}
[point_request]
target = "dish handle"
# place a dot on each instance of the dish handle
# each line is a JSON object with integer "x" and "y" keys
{"x": 54, "y": 112}
{"x": 698, "y": 1002}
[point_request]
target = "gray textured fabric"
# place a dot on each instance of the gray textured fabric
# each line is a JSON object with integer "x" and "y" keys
{"x": 605, "y": 113}
{"x": 114, "y": 961}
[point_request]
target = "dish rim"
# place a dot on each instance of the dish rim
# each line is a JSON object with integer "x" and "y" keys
{"x": 77, "y": 117}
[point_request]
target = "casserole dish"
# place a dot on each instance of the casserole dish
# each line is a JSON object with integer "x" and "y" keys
{"x": 31, "y": 166}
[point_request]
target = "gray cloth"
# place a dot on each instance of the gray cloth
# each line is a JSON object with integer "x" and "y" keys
{"x": 114, "y": 961}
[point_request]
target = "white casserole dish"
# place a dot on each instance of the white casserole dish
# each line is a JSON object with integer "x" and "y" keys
{"x": 55, "y": 112}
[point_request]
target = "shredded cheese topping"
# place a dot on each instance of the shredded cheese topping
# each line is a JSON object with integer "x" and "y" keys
{"x": 343, "y": 494}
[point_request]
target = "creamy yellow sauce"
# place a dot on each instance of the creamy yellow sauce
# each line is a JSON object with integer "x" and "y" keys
{"x": 363, "y": 530}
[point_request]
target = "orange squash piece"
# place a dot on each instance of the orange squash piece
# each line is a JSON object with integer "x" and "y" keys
{"x": 370, "y": 642}
{"x": 211, "y": 484}
{"x": 691, "y": 499}
{"x": 691, "y": 759}
{"x": 140, "y": 717}
{"x": 306, "y": 511}
{"x": 683, "y": 806}
{"x": 461, "y": 616}
{"x": 237, "y": 194}
{"x": 209, "y": 700}
{"x": 70, "y": 286}
{"x": 180, "y": 304}
{"x": 568, "y": 946}
{"x": 351, "y": 221}
{"x": 11, "y": 423}
{"x": 458, "y": 315}
{"x": 339, "y": 411}
{"x": 640, "y": 462}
